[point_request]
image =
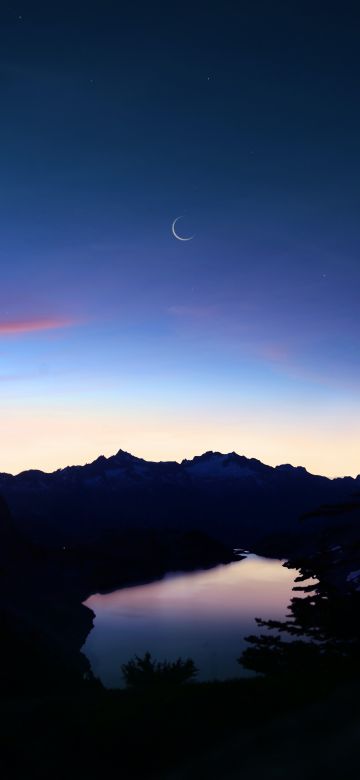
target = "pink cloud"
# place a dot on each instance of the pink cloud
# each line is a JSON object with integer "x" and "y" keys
{"x": 13, "y": 327}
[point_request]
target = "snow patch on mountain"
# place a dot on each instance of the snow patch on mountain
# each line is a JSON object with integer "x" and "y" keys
{"x": 215, "y": 464}
{"x": 354, "y": 575}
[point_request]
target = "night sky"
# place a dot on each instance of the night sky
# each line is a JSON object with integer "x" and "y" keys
{"x": 244, "y": 119}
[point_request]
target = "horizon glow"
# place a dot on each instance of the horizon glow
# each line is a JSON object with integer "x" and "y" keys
{"x": 113, "y": 334}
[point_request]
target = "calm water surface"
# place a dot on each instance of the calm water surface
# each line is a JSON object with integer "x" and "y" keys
{"x": 204, "y": 615}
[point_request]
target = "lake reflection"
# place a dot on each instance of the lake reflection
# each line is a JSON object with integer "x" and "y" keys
{"x": 204, "y": 615}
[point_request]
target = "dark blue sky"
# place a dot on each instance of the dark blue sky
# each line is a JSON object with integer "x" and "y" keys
{"x": 117, "y": 118}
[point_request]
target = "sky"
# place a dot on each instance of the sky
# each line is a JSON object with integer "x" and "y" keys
{"x": 243, "y": 119}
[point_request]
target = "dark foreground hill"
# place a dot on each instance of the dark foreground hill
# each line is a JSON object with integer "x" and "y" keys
{"x": 233, "y": 498}
{"x": 43, "y": 623}
{"x": 299, "y": 719}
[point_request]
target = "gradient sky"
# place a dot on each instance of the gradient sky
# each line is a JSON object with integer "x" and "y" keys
{"x": 244, "y": 118}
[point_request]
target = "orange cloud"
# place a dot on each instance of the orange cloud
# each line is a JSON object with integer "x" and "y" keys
{"x": 11, "y": 327}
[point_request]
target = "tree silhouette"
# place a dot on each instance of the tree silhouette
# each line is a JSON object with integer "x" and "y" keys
{"x": 145, "y": 672}
{"x": 322, "y": 629}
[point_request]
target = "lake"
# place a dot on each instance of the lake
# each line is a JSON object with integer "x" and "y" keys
{"x": 204, "y": 615}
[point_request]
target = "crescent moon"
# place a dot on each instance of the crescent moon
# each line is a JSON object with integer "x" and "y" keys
{"x": 176, "y": 235}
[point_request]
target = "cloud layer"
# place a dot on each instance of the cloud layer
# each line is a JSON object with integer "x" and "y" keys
{"x": 11, "y": 327}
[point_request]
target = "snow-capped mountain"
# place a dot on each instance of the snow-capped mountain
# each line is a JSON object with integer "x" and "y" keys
{"x": 216, "y": 492}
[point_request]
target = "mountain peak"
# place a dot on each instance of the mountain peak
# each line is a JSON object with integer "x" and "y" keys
{"x": 290, "y": 467}
{"x": 124, "y": 455}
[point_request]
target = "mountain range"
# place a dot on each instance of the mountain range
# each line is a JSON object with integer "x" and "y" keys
{"x": 236, "y": 499}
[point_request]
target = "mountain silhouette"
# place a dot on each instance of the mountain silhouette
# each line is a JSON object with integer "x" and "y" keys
{"x": 238, "y": 500}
